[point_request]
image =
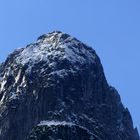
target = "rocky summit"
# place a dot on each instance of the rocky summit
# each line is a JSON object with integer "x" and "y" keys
{"x": 55, "y": 89}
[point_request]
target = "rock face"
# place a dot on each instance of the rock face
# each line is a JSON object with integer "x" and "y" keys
{"x": 55, "y": 88}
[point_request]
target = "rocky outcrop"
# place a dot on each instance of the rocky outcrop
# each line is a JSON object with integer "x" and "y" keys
{"x": 59, "y": 79}
{"x": 60, "y": 130}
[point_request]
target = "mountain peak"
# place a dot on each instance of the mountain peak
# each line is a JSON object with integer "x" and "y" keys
{"x": 55, "y": 46}
{"x": 54, "y": 35}
{"x": 55, "y": 88}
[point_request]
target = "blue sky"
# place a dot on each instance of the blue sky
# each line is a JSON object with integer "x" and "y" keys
{"x": 111, "y": 27}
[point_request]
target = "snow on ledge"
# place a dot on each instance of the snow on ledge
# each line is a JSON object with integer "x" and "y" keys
{"x": 55, "y": 123}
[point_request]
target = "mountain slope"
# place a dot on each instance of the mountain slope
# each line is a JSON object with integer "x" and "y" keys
{"x": 60, "y": 81}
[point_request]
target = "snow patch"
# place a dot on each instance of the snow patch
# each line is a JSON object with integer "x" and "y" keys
{"x": 2, "y": 85}
{"x": 54, "y": 123}
{"x": 60, "y": 73}
{"x": 18, "y": 76}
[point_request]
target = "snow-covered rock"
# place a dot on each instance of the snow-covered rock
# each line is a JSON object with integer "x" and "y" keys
{"x": 56, "y": 45}
{"x": 55, "y": 123}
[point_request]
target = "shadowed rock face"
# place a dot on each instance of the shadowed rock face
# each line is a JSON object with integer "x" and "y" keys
{"x": 59, "y": 79}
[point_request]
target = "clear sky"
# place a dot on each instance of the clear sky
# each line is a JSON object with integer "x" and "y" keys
{"x": 111, "y": 27}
